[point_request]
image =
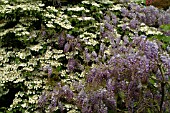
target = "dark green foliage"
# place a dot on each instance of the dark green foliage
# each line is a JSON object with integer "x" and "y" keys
{"x": 7, "y": 99}
{"x": 59, "y": 3}
{"x": 19, "y": 18}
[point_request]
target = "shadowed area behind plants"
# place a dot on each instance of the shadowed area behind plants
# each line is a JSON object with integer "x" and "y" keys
{"x": 164, "y": 4}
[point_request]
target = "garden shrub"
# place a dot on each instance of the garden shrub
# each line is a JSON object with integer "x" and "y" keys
{"x": 90, "y": 57}
{"x": 19, "y": 19}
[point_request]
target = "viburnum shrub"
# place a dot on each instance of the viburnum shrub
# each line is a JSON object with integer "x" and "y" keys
{"x": 19, "y": 20}
{"x": 125, "y": 70}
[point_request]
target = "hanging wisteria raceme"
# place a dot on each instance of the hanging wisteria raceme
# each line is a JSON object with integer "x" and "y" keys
{"x": 61, "y": 40}
{"x": 56, "y": 97}
{"x": 149, "y": 15}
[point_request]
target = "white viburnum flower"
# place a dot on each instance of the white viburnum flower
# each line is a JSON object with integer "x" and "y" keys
{"x": 48, "y": 54}
{"x": 28, "y": 68}
{"x": 50, "y": 25}
{"x": 76, "y": 9}
{"x": 85, "y": 2}
{"x": 85, "y": 18}
{"x": 24, "y": 105}
{"x": 19, "y": 80}
{"x": 95, "y": 4}
{"x": 33, "y": 99}
{"x": 21, "y": 55}
{"x": 116, "y": 7}
{"x": 36, "y": 47}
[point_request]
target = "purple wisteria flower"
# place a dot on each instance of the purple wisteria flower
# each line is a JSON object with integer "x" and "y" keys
{"x": 87, "y": 55}
{"x": 133, "y": 24}
{"x": 151, "y": 50}
{"x": 69, "y": 36}
{"x": 109, "y": 26}
{"x": 61, "y": 41}
{"x": 43, "y": 33}
{"x": 124, "y": 12}
{"x": 107, "y": 18}
{"x": 67, "y": 47}
{"x": 42, "y": 100}
{"x": 71, "y": 64}
{"x": 124, "y": 27}
{"x": 50, "y": 70}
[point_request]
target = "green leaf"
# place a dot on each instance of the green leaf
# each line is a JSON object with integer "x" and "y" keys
{"x": 151, "y": 81}
{"x": 59, "y": 68}
{"x": 122, "y": 95}
{"x": 149, "y": 111}
{"x": 162, "y": 38}
{"x": 165, "y": 27}
{"x": 17, "y": 60}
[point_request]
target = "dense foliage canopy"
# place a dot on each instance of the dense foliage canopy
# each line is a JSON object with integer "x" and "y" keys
{"x": 92, "y": 56}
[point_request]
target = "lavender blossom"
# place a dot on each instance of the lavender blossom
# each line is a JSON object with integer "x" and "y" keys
{"x": 102, "y": 48}
{"x": 166, "y": 19}
{"x": 53, "y": 104}
{"x": 42, "y": 100}
{"x": 101, "y": 29}
{"x": 50, "y": 70}
{"x": 115, "y": 21}
{"x": 69, "y": 36}
{"x": 87, "y": 56}
{"x": 66, "y": 47}
{"x": 132, "y": 15}
{"x": 67, "y": 92}
{"x": 113, "y": 16}
{"x": 108, "y": 26}
{"x": 110, "y": 85}
{"x": 43, "y": 33}
{"x": 78, "y": 45}
{"x": 61, "y": 41}
{"x": 138, "y": 8}
{"x": 133, "y": 24}
{"x": 151, "y": 50}
{"x": 71, "y": 64}
{"x": 124, "y": 12}
{"x": 107, "y": 18}
{"x": 94, "y": 54}
{"x": 124, "y": 27}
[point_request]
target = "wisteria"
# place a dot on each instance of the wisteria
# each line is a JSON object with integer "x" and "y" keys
{"x": 124, "y": 69}
{"x": 90, "y": 57}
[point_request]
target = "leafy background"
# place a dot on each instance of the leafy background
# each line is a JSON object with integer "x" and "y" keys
{"x": 47, "y": 47}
